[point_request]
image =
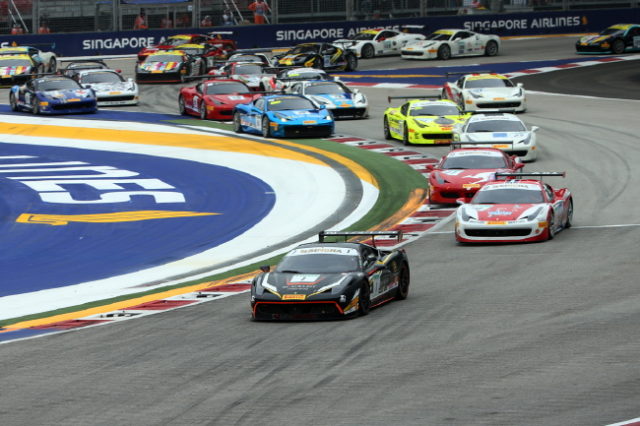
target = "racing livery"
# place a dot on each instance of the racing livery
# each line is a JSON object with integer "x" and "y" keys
{"x": 285, "y": 78}
{"x": 220, "y": 48}
{"x": 331, "y": 279}
{"x": 171, "y": 66}
{"x": 515, "y": 210}
{"x": 616, "y": 39}
{"x": 110, "y": 87}
{"x": 250, "y": 73}
{"x": 53, "y": 94}
{"x": 460, "y": 173}
{"x": 16, "y": 69}
{"x": 324, "y": 56}
{"x": 283, "y": 116}
{"x": 485, "y": 91}
{"x": 428, "y": 120}
{"x": 342, "y": 101}
{"x": 214, "y": 99}
{"x": 377, "y": 42}
{"x": 503, "y": 131}
{"x": 449, "y": 43}
{"x": 46, "y": 61}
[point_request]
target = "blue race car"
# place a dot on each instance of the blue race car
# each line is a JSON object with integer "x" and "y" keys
{"x": 283, "y": 116}
{"x": 53, "y": 94}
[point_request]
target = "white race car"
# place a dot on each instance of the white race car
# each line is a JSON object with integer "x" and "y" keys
{"x": 285, "y": 78}
{"x": 378, "y": 42}
{"x": 448, "y": 43}
{"x": 46, "y": 61}
{"x": 110, "y": 87}
{"x": 503, "y": 131}
{"x": 485, "y": 91}
{"x": 342, "y": 101}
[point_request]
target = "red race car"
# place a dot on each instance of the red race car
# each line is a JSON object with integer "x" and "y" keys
{"x": 518, "y": 209}
{"x": 214, "y": 99}
{"x": 461, "y": 172}
{"x": 220, "y": 48}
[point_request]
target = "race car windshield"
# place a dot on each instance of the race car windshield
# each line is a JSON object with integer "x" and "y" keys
{"x": 508, "y": 196}
{"x": 244, "y": 58}
{"x": 439, "y": 37}
{"x": 496, "y": 126}
{"x": 86, "y": 66}
{"x": 226, "y": 88}
{"x": 325, "y": 89}
{"x": 101, "y": 77}
{"x": 474, "y": 162}
{"x": 248, "y": 69}
{"x": 194, "y": 50}
{"x": 15, "y": 63}
{"x": 304, "y": 48}
{"x": 319, "y": 263}
{"x": 165, "y": 58}
{"x": 176, "y": 41}
{"x": 437, "y": 110}
{"x": 290, "y": 103}
{"x": 488, "y": 82}
{"x": 610, "y": 31}
{"x": 363, "y": 36}
{"x": 61, "y": 84}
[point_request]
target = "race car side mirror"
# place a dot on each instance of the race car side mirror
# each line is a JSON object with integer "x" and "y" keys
{"x": 519, "y": 166}
{"x": 430, "y": 167}
{"x": 520, "y": 85}
{"x": 265, "y": 268}
{"x": 534, "y": 128}
{"x": 460, "y": 201}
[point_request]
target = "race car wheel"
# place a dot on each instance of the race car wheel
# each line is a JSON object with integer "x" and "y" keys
{"x": 203, "y": 111}
{"x": 35, "y": 107}
{"x": 491, "y": 49}
{"x": 368, "y": 51}
{"x": 364, "y": 300}
{"x": 181, "y": 108}
{"x": 617, "y": 47}
{"x": 551, "y": 227}
{"x": 266, "y": 127}
{"x": 317, "y": 63}
{"x": 237, "y": 127}
{"x": 567, "y": 222}
{"x": 387, "y": 132}
{"x": 13, "y": 102}
{"x": 352, "y": 63}
{"x": 403, "y": 283}
{"x": 444, "y": 52}
{"x": 405, "y": 137}
{"x": 53, "y": 65}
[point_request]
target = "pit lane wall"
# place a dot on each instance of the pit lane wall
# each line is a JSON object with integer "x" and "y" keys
{"x": 262, "y": 36}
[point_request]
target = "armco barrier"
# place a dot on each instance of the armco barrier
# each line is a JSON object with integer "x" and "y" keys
{"x": 255, "y": 36}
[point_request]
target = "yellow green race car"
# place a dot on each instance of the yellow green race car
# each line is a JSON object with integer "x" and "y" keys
{"x": 427, "y": 120}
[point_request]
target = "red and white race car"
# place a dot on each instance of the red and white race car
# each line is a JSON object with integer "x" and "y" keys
{"x": 463, "y": 171}
{"x": 515, "y": 210}
{"x": 218, "y": 47}
{"x": 214, "y": 99}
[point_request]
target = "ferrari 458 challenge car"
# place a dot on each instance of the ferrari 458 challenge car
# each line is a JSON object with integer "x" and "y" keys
{"x": 285, "y": 78}
{"x": 331, "y": 279}
{"x": 503, "y": 131}
{"x": 110, "y": 87}
{"x": 422, "y": 120}
{"x": 324, "y": 56}
{"x": 259, "y": 58}
{"x": 485, "y": 91}
{"x": 15, "y": 69}
{"x": 250, "y": 73}
{"x": 283, "y": 116}
{"x": 52, "y": 94}
{"x": 214, "y": 99}
{"x": 460, "y": 173}
{"x": 170, "y": 66}
{"x": 46, "y": 61}
{"x": 377, "y": 42}
{"x": 220, "y": 48}
{"x": 448, "y": 43}
{"x": 342, "y": 101}
{"x": 616, "y": 39}
{"x": 74, "y": 67}
{"x": 515, "y": 210}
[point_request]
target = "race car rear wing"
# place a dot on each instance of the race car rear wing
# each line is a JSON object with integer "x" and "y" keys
{"x": 448, "y": 74}
{"x": 474, "y": 144}
{"x": 428, "y": 97}
{"x": 347, "y": 234}
{"x": 521, "y": 175}
{"x": 408, "y": 27}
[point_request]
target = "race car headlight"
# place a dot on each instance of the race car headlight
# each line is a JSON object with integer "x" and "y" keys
{"x": 269, "y": 287}
{"x": 438, "y": 177}
{"x": 526, "y": 140}
{"x": 534, "y": 214}
{"x": 419, "y": 124}
{"x": 323, "y": 101}
{"x": 359, "y": 98}
{"x": 520, "y": 92}
{"x": 476, "y": 94}
{"x": 466, "y": 215}
{"x": 282, "y": 117}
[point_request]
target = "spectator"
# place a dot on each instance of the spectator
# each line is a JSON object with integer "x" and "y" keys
{"x": 44, "y": 27}
{"x": 259, "y": 9}
{"x": 184, "y": 20}
{"x": 366, "y": 9}
{"x": 227, "y": 18}
{"x": 17, "y": 29}
{"x": 141, "y": 21}
{"x": 166, "y": 22}
{"x": 206, "y": 21}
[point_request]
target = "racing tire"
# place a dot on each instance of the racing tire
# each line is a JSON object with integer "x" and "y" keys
{"x": 491, "y": 49}
{"x": 35, "y": 108}
{"x": 13, "y": 101}
{"x": 443, "y": 94}
{"x": 617, "y": 46}
{"x": 385, "y": 127}
{"x": 53, "y": 65}
{"x": 203, "y": 111}
{"x": 181, "y": 109}
{"x": 266, "y": 127}
{"x": 352, "y": 63}
{"x": 367, "y": 52}
{"x": 567, "y": 222}
{"x": 364, "y": 300}
{"x": 405, "y": 137}
{"x": 237, "y": 127}
{"x": 551, "y": 231}
{"x": 317, "y": 63}
{"x": 403, "y": 283}
{"x": 444, "y": 52}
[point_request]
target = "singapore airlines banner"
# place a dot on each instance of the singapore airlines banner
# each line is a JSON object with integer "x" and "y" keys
{"x": 264, "y": 36}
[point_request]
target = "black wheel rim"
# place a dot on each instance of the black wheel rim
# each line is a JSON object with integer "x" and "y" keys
{"x": 265, "y": 127}
{"x": 368, "y": 51}
{"x": 181, "y": 105}
{"x": 203, "y": 111}
{"x": 236, "y": 123}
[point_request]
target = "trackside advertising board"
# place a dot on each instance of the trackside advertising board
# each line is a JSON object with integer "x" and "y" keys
{"x": 259, "y": 36}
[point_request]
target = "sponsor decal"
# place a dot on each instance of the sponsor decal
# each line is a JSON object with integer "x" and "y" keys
{"x": 555, "y": 22}
{"x": 117, "y": 43}
{"x": 294, "y": 297}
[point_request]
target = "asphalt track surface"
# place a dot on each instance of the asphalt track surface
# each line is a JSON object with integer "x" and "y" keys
{"x": 535, "y": 334}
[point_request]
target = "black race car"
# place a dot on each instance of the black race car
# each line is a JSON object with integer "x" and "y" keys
{"x": 169, "y": 66}
{"x": 616, "y": 39}
{"x": 331, "y": 279}
{"x": 324, "y": 56}
{"x": 74, "y": 67}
